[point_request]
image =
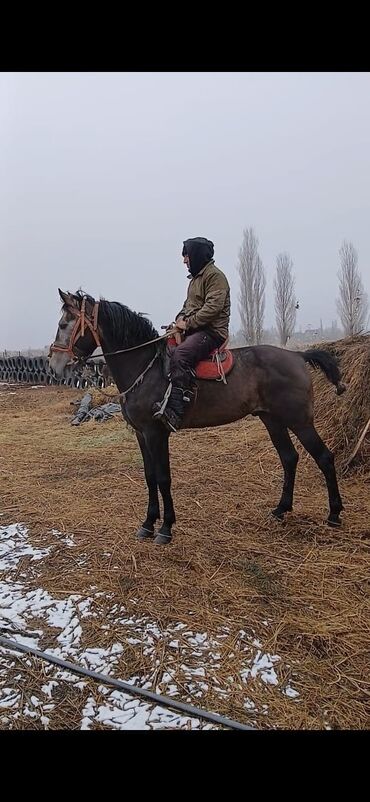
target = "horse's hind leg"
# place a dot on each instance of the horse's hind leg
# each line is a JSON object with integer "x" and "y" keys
{"x": 325, "y": 460}
{"x": 288, "y": 456}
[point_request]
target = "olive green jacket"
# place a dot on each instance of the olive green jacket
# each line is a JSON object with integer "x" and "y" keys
{"x": 207, "y": 305}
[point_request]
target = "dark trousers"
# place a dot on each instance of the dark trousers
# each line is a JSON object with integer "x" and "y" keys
{"x": 186, "y": 356}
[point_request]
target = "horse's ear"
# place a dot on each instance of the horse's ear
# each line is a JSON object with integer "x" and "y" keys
{"x": 68, "y": 299}
{"x": 65, "y": 296}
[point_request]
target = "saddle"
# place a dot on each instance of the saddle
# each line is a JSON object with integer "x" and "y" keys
{"x": 216, "y": 367}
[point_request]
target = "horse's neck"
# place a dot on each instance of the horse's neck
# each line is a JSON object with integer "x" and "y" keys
{"x": 125, "y": 335}
{"x": 126, "y": 367}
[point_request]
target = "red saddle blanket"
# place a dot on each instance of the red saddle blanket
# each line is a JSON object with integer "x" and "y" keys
{"x": 220, "y": 361}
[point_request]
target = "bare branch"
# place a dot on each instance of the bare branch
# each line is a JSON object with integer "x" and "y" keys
{"x": 259, "y": 298}
{"x": 252, "y": 288}
{"x": 285, "y": 300}
{"x": 352, "y": 304}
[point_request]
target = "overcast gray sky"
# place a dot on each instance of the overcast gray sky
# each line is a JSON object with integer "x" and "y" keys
{"x": 103, "y": 175}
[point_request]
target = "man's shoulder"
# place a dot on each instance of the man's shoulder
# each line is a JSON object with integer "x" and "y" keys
{"x": 212, "y": 269}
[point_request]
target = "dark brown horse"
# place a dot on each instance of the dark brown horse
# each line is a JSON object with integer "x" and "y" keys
{"x": 265, "y": 381}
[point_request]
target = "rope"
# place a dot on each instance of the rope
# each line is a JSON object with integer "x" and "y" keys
{"x": 138, "y": 380}
{"x": 164, "y": 701}
{"x": 134, "y": 348}
{"x": 142, "y": 345}
{"x": 135, "y": 383}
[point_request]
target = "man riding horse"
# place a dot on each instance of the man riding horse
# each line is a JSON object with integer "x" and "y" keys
{"x": 204, "y": 323}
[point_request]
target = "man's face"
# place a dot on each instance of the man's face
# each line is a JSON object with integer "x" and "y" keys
{"x": 186, "y": 261}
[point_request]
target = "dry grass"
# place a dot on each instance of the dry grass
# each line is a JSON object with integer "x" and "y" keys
{"x": 343, "y": 422}
{"x": 229, "y": 563}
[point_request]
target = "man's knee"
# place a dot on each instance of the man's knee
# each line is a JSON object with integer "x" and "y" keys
{"x": 182, "y": 356}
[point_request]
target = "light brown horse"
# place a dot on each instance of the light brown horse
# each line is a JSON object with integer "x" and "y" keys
{"x": 266, "y": 381}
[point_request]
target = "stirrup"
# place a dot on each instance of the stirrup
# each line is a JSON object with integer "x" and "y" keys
{"x": 162, "y": 404}
{"x": 165, "y": 417}
{"x": 170, "y": 424}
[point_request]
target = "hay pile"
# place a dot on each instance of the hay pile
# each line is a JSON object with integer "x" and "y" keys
{"x": 341, "y": 421}
{"x": 100, "y": 396}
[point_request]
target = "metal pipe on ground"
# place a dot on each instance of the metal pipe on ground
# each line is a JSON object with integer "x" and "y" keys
{"x": 132, "y": 690}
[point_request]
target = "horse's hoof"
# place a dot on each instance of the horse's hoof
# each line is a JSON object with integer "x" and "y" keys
{"x": 278, "y": 513}
{"x": 334, "y": 520}
{"x": 162, "y": 540}
{"x": 145, "y": 534}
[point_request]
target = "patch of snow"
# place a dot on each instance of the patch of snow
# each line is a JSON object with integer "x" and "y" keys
{"x": 200, "y": 652}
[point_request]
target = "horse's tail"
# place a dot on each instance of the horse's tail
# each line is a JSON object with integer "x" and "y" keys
{"x": 328, "y": 364}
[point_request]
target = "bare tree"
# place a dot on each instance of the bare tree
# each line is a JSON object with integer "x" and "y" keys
{"x": 252, "y": 288}
{"x": 352, "y": 304}
{"x": 285, "y": 300}
{"x": 259, "y": 292}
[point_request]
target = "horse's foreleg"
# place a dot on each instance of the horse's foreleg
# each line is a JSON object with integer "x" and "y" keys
{"x": 156, "y": 442}
{"x": 147, "y": 528}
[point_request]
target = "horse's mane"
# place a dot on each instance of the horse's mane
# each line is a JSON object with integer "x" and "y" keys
{"x": 122, "y": 326}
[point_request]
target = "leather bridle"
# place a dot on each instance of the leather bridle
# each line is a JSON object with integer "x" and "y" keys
{"x": 83, "y": 321}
